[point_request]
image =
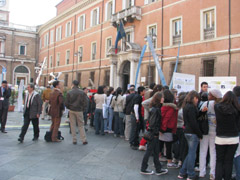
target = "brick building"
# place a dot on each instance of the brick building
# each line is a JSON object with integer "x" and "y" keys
{"x": 18, "y": 49}
{"x": 79, "y": 40}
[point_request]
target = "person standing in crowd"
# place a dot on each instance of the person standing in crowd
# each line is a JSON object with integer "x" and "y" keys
{"x": 208, "y": 141}
{"x": 31, "y": 112}
{"x": 5, "y": 93}
{"x": 56, "y": 110}
{"x": 100, "y": 99}
{"x": 236, "y": 91}
{"x": 92, "y": 110}
{"x": 180, "y": 147}
{"x": 204, "y": 88}
{"x": 76, "y": 102}
{"x": 153, "y": 128}
{"x": 168, "y": 125}
{"x": 127, "y": 110}
{"x": 87, "y": 107}
{"x": 109, "y": 119}
{"x": 148, "y": 92}
{"x": 45, "y": 99}
{"x": 118, "y": 104}
{"x": 227, "y": 138}
{"x": 136, "y": 118}
{"x": 192, "y": 134}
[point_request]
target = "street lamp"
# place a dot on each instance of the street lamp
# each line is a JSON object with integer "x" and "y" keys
{"x": 153, "y": 38}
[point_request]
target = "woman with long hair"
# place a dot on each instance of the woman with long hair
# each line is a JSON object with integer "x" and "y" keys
{"x": 153, "y": 145}
{"x": 168, "y": 126}
{"x": 208, "y": 141}
{"x": 108, "y": 120}
{"x": 192, "y": 134}
{"x": 227, "y": 139}
{"x": 100, "y": 99}
{"x": 118, "y": 105}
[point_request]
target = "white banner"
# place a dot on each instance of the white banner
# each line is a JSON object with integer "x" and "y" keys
{"x": 183, "y": 82}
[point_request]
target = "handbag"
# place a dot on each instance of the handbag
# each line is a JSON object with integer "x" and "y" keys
{"x": 148, "y": 136}
{"x": 203, "y": 122}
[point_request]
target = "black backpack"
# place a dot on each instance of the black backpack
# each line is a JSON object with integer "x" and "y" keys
{"x": 48, "y": 136}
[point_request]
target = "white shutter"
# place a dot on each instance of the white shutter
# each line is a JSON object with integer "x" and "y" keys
{"x": 124, "y": 4}
{"x": 91, "y": 19}
{"x": 84, "y": 22}
{"x": 132, "y": 2}
{"x": 66, "y": 29}
{"x": 70, "y": 29}
{"x": 60, "y": 36}
{"x": 106, "y": 11}
{"x": 113, "y": 6}
{"x": 78, "y": 26}
{"x": 98, "y": 15}
{"x": 145, "y": 1}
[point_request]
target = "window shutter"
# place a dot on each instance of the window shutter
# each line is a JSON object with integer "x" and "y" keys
{"x": 98, "y": 15}
{"x": 113, "y": 6}
{"x": 84, "y": 22}
{"x": 66, "y": 29}
{"x": 78, "y": 28}
{"x": 145, "y": 1}
{"x": 70, "y": 29}
{"x": 106, "y": 11}
{"x": 124, "y": 4}
{"x": 91, "y": 18}
{"x": 132, "y": 2}
{"x": 56, "y": 34}
{"x": 60, "y": 34}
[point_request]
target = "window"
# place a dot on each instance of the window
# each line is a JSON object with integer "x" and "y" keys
{"x": 128, "y": 36}
{"x": 79, "y": 76}
{"x": 208, "y": 67}
{"x": 58, "y": 59}
{"x": 68, "y": 30}
{"x": 151, "y": 75}
{"x": 109, "y": 10}
{"x": 67, "y": 56}
{"x": 107, "y": 77}
{"x": 40, "y": 43}
{"x": 108, "y": 44}
{"x": 51, "y": 36}
{"x": 152, "y": 31}
{"x": 176, "y": 31}
{"x": 46, "y": 37}
{"x": 81, "y": 23}
{"x": 95, "y": 17}
{"x": 50, "y": 62}
{"x": 66, "y": 80}
{"x": 149, "y": 1}
{"x": 208, "y": 23}
{"x": 94, "y": 51}
{"x": 127, "y": 4}
{"x": 92, "y": 77}
{"x": 59, "y": 33}
{"x": 80, "y": 54}
{"x": 22, "y": 49}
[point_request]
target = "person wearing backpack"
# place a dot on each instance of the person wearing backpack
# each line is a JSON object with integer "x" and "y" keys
{"x": 208, "y": 140}
{"x": 153, "y": 128}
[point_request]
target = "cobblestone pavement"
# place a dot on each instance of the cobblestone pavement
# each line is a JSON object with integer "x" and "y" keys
{"x": 104, "y": 158}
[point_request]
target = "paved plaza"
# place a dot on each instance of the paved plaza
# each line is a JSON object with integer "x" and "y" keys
{"x": 104, "y": 158}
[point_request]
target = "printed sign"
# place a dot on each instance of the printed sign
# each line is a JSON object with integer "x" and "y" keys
{"x": 183, "y": 82}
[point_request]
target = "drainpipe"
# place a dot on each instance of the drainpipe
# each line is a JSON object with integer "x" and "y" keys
{"x": 12, "y": 55}
{"x": 229, "y": 46}
{"x": 54, "y": 51}
{"x": 162, "y": 38}
{"x": 100, "y": 60}
{"x": 74, "y": 37}
{"x": 48, "y": 52}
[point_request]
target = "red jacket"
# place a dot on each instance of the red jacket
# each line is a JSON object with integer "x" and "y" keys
{"x": 169, "y": 117}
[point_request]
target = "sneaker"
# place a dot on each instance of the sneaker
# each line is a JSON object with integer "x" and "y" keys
{"x": 196, "y": 169}
{"x": 172, "y": 165}
{"x": 180, "y": 176}
{"x": 35, "y": 139}
{"x": 20, "y": 140}
{"x": 142, "y": 148}
{"x": 146, "y": 172}
{"x": 193, "y": 178}
{"x": 105, "y": 131}
{"x": 175, "y": 161}
{"x": 179, "y": 163}
{"x": 162, "y": 159}
{"x": 163, "y": 171}
{"x": 85, "y": 143}
{"x": 211, "y": 177}
{"x": 110, "y": 132}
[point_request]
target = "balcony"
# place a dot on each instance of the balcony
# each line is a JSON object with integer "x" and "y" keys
{"x": 209, "y": 33}
{"x": 176, "y": 39}
{"x": 127, "y": 15}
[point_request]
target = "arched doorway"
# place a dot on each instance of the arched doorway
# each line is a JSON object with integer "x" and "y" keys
{"x": 125, "y": 75}
{"x": 21, "y": 72}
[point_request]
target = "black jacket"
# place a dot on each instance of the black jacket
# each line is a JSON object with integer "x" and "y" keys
{"x": 6, "y": 95}
{"x": 154, "y": 120}
{"x": 190, "y": 115}
{"x": 129, "y": 104}
{"x": 227, "y": 120}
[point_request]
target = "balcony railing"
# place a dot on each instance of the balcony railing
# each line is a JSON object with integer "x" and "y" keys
{"x": 209, "y": 33}
{"x": 128, "y": 15}
{"x": 176, "y": 39}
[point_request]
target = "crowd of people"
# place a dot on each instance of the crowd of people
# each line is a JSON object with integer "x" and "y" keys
{"x": 188, "y": 130}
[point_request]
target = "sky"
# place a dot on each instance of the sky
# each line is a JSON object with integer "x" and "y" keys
{"x": 32, "y": 12}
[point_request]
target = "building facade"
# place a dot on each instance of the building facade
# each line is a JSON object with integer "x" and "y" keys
{"x": 18, "y": 49}
{"x": 80, "y": 40}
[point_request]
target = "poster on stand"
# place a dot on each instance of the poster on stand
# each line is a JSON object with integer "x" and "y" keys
{"x": 183, "y": 82}
{"x": 224, "y": 83}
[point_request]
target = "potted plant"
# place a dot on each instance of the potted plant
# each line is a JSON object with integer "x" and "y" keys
{"x": 12, "y": 101}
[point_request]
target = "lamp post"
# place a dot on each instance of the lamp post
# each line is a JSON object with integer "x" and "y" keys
{"x": 153, "y": 37}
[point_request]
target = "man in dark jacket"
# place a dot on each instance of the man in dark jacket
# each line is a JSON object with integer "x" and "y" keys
{"x": 76, "y": 102}
{"x": 31, "y": 112}
{"x": 5, "y": 93}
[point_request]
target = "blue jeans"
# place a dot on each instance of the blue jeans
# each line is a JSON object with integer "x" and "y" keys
{"x": 108, "y": 121}
{"x": 99, "y": 122}
{"x": 237, "y": 165}
{"x": 189, "y": 162}
{"x": 118, "y": 124}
